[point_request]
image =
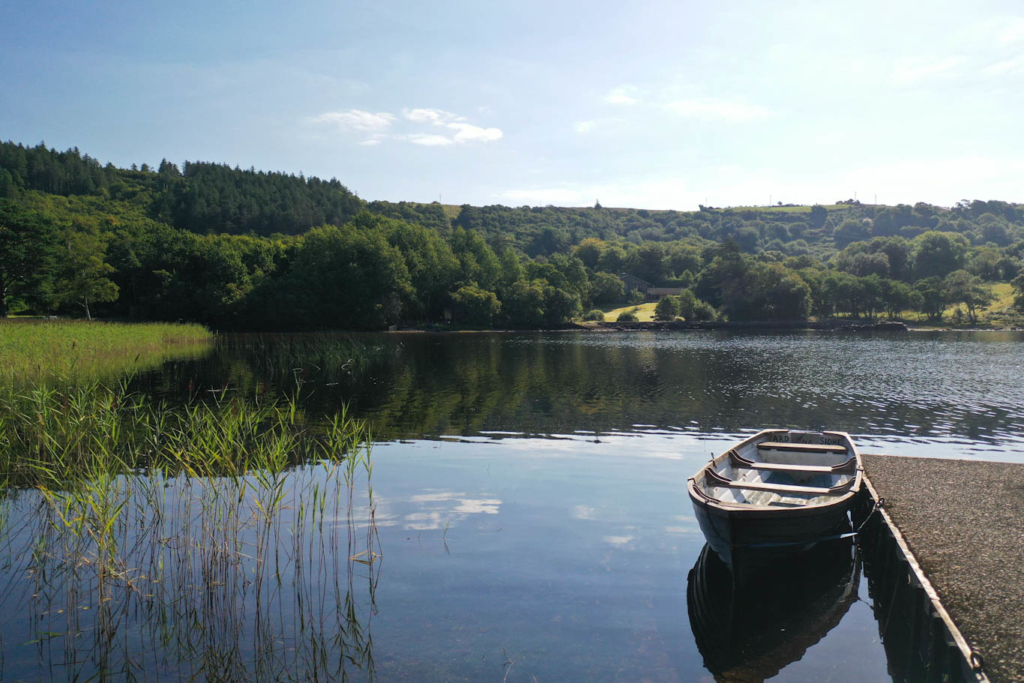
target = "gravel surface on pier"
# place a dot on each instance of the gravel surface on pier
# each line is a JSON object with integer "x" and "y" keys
{"x": 964, "y": 520}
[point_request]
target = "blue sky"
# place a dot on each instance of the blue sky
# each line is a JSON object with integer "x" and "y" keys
{"x": 650, "y": 104}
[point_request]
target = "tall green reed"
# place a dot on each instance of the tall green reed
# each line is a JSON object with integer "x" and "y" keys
{"x": 176, "y": 538}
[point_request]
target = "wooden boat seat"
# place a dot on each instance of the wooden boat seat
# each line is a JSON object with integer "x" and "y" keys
{"x": 716, "y": 479}
{"x": 740, "y": 462}
{"x": 800, "y": 447}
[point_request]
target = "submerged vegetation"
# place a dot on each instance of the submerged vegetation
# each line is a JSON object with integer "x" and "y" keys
{"x": 76, "y": 351}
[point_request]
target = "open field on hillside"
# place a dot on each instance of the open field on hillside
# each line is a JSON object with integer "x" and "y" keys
{"x": 999, "y": 312}
{"x": 786, "y": 209}
{"x": 644, "y": 313}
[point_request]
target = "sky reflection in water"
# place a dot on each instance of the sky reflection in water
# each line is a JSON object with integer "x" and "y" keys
{"x": 577, "y": 566}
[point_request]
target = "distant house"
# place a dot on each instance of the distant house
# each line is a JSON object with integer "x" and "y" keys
{"x": 632, "y": 282}
{"x": 657, "y": 293}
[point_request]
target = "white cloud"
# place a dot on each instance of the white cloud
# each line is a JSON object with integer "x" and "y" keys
{"x": 584, "y": 127}
{"x": 582, "y": 512}
{"x": 436, "y": 497}
{"x": 468, "y": 132}
{"x": 423, "y": 521}
{"x": 914, "y": 69}
{"x": 685, "y": 525}
{"x": 453, "y": 128}
{"x": 618, "y": 541}
{"x": 356, "y": 119}
{"x": 374, "y": 140}
{"x": 463, "y": 130}
{"x": 476, "y": 506}
{"x": 624, "y": 94}
{"x": 440, "y": 508}
{"x": 428, "y": 139}
{"x": 710, "y": 108}
{"x": 438, "y": 117}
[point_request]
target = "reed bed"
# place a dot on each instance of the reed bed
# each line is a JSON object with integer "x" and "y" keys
{"x": 74, "y": 351}
{"x": 217, "y": 540}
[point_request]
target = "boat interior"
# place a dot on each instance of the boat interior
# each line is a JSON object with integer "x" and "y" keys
{"x": 782, "y": 469}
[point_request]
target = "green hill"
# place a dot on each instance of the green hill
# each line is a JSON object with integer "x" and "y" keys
{"x": 234, "y": 248}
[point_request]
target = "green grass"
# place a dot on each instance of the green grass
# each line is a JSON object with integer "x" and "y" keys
{"x": 644, "y": 313}
{"x": 453, "y": 211}
{"x": 1003, "y": 292}
{"x": 1001, "y": 313}
{"x": 40, "y": 350}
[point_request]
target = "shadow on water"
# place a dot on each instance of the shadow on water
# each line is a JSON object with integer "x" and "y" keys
{"x": 750, "y": 626}
{"x": 918, "y": 643}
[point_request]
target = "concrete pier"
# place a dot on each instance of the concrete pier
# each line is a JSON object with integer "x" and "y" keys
{"x": 963, "y": 523}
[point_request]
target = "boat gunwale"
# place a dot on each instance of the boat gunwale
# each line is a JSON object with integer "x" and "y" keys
{"x": 698, "y": 497}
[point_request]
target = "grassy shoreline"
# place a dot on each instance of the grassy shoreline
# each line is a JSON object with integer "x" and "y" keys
{"x": 47, "y": 351}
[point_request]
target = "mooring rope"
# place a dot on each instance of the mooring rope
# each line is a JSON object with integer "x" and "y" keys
{"x": 879, "y": 504}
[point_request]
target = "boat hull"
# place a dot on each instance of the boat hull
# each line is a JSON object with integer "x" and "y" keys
{"x": 741, "y": 536}
{"x": 776, "y": 493}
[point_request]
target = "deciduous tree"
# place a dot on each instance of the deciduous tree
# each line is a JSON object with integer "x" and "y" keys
{"x": 963, "y": 288}
{"x": 475, "y": 306}
{"x": 28, "y": 246}
{"x": 83, "y": 276}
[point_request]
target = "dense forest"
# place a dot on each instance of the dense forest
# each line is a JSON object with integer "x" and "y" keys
{"x": 247, "y": 249}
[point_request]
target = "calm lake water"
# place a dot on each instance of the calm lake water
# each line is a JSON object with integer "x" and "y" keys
{"x": 531, "y": 521}
{"x": 934, "y": 394}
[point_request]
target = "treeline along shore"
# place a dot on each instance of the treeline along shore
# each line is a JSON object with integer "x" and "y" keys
{"x": 246, "y": 249}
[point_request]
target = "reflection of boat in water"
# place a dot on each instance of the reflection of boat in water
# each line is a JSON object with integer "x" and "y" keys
{"x": 778, "y": 491}
{"x": 749, "y": 628}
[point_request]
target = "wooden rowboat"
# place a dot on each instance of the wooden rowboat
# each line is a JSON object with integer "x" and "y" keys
{"x": 777, "y": 492}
